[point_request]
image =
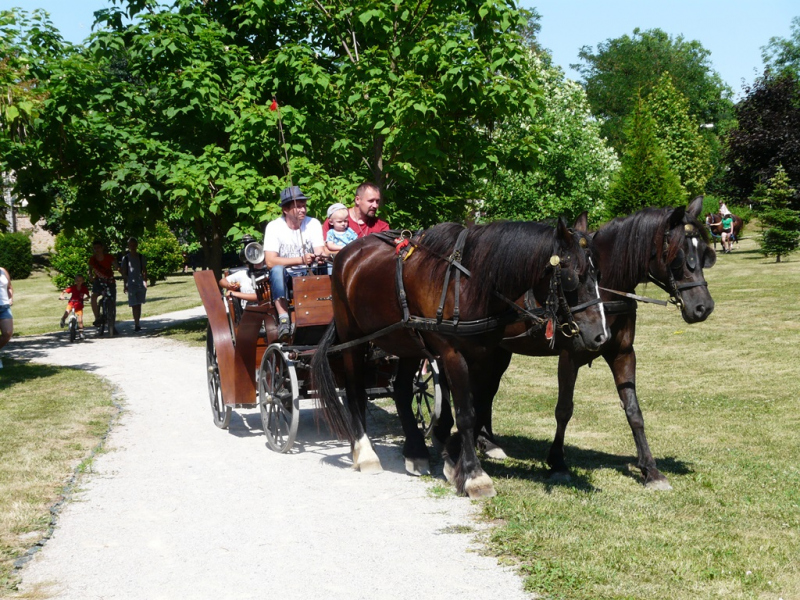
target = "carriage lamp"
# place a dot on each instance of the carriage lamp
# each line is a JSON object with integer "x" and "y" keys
{"x": 254, "y": 253}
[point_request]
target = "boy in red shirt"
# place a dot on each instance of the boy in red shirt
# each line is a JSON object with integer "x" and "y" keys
{"x": 78, "y": 292}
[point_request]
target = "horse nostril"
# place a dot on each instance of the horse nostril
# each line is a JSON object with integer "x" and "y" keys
{"x": 600, "y": 339}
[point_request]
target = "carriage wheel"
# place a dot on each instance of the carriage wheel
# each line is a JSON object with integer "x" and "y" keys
{"x": 427, "y": 396}
{"x": 278, "y": 398}
{"x": 220, "y": 412}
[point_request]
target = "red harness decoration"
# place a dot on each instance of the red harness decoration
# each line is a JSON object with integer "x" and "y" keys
{"x": 400, "y": 244}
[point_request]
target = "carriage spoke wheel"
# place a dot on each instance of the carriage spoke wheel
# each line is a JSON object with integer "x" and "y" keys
{"x": 278, "y": 398}
{"x": 427, "y": 396}
{"x": 220, "y": 412}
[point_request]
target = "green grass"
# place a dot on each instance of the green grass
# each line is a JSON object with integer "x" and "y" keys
{"x": 192, "y": 332}
{"x": 37, "y": 308}
{"x": 50, "y": 420}
{"x": 720, "y": 402}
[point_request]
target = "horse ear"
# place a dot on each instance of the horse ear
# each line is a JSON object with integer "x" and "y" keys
{"x": 676, "y": 216}
{"x": 695, "y": 207}
{"x": 562, "y": 230}
{"x": 582, "y": 222}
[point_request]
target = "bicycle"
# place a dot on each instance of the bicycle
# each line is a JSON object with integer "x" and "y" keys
{"x": 72, "y": 324}
{"x": 108, "y": 310}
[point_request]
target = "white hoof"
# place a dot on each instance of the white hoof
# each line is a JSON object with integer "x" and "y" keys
{"x": 449, "y": 470}
{"x": 659, "y": 485}
{"x": 370, "y": 467}
{"x": 480, "y": 487}
{"x": 364, "y": 457}
{"x": 496, "y": 453}
{"x": 418, "y": 467}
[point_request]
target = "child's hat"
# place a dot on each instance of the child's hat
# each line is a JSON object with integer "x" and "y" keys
{"x": 334, "y": 207}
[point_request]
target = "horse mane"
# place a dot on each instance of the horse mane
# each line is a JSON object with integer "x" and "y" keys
{"x": 506, "y": 256}
{"x": 630, "y": 242}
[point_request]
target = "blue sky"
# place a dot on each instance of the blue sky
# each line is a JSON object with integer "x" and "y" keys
{"x": 733, "y": 30}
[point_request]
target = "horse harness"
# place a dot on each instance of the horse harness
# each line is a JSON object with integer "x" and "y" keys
{"x": 672, "y": 287}
{"x": 547, "y": 316}
{"x": 675, "y": 270}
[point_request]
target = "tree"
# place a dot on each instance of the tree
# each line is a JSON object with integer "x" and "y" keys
{"x": 780, "y": 225}
{"x": 624, "y": 68}
{"x": 575, "y": 169}
{"x": 687, "y": 152}
{"x": 170, "y": 117}
{"x": 645, "y": 178}
{"x": 27, "y": 43}
{"x": 162, "y": 250}
{"x": 767, "y": 135}
{"x": 783, "y": 53}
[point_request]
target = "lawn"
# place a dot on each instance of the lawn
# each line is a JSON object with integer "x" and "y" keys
{"x": 43, "y": 437}
{"x": 720, "y": 401}
{"x": 37, "y": 308}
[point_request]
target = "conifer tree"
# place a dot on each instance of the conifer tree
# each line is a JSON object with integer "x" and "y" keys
{"x": 678, "y": 134}
{"x": 645, "y": 178}
{"x": 780, "y": 233}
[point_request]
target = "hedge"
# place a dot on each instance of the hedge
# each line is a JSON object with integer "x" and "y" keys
{"x": 15, "y": 254}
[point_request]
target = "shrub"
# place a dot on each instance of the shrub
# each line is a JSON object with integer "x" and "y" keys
{"x": 162, "y": 252}
{"x": 15, "y": 254}
{"x": 70, "y": 257}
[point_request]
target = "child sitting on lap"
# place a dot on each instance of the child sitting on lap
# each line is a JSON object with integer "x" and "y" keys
{"x": 340, "y": 233}
{"x": 78, "y": 291}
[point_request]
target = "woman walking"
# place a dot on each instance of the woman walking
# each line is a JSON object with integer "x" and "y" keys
{"x": 6, "y": 300}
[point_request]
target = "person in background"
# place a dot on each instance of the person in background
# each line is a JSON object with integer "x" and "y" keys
{"x": 727, "y": 233}
{"x": 77, "y": 293}
{"x": 292, "y": 244}
{"x": 6, "y": 300}
{"x": 134, "y": 280}
{"x": 340, "y": 233}
{"x": 362, "y": 217}
{"x": 101, "y": 270}
{"x": 723, "y": 208}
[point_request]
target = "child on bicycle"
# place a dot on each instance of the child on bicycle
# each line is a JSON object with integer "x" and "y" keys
{"x": 78, "y": 292}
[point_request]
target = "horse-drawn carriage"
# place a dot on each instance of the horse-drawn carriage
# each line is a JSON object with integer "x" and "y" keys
{"x": 248, "y": 367}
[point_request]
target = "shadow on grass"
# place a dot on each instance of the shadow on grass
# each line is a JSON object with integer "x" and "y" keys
{"x": 529, "y": 455}
{"x": 20, "y": 371}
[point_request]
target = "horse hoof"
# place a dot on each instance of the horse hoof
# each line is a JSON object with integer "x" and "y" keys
{"x": 496, "y": 453}
{"x": 370, "y": 467}
{"x": 560, "y": 476}
{"x": 418, "y": 466}
{"x": 449, "y": 470}
{"x": 658, "y": 484}
{"x": 480, "y": 487}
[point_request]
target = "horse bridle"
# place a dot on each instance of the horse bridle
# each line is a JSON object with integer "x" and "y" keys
{"x": 561, "y": 281}
{"x": 672, "y": 287}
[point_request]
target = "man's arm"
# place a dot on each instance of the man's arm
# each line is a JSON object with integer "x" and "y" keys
{"x": 272, "y": 259}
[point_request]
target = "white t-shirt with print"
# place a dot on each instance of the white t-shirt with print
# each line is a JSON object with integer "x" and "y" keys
{"x": 278, "y": 237}
{"x": 245, "y": 283}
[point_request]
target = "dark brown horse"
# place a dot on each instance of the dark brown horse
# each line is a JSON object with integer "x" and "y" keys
{"x": 714, "y": 224}
{"x": 499, "y": 263}
{"x": 666, "y": 246}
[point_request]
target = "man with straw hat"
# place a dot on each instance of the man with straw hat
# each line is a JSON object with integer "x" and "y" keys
{"x": 292, "y": 244}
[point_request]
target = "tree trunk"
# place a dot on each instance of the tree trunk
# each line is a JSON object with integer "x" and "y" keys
{"x": 210, "y": 237}
{"x": 377, "y": 161}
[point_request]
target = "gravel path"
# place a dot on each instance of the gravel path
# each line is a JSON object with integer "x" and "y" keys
{"x": 180, "y": 509}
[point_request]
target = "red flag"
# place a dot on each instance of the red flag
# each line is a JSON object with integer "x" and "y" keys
{"x": 274, "y": 106}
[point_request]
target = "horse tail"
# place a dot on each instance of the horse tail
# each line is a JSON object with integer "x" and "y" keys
{"x": 334, "y": 412}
